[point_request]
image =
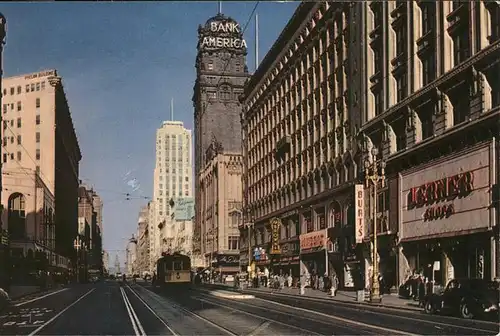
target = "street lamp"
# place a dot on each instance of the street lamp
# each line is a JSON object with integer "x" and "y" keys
{"x": 77, "y": 244}
{"x": 373, "y": 177}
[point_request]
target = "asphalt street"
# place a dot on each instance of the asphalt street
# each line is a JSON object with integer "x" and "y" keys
{"x": 107, "y": 308}
{"x": 100, "y": 309}
{"x": 328, "y": 318}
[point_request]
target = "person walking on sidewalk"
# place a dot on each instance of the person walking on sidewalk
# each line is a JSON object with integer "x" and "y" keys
{"x": 335, "y": 284}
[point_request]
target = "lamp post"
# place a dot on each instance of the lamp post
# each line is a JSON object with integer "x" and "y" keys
{"x": 77, "y": 244}
{"x": 372, "y": 178}
{"x": 249, "y": 225}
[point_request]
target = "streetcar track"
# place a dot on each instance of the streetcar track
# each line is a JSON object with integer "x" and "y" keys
{"x": 408, "y": 318}
{"x": 152, "y": 311}
{"x": 308, "y": 332}
{"x": 188, "y": 312}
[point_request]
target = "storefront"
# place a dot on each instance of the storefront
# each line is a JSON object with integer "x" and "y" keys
{"x": 227, "y": 264}
{"x": 313, "y": 254}
{"x": 288, "y": 261}
{"x": 447, "y": 218}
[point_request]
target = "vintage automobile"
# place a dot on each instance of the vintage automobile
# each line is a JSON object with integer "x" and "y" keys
{"x": 468, "y": 298}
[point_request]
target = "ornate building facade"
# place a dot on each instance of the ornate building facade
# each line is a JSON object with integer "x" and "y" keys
{"x": 432, "y": 110}
{"x": 301, "y": 115}
{"x": 221, "y": 73}
{"x": 415, "y": 80}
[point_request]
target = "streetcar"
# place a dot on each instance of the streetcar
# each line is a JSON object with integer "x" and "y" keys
{"x": 173, "y": 269}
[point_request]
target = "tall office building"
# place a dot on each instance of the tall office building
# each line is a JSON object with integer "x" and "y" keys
{"x": 221, "y": 72}
{"x": 40, "y": 162}
{"x": 172, "y": 178}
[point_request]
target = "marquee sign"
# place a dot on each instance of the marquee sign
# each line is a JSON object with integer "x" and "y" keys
{"x": 275, "y": 236}
{"x": 359, "y": 208}
{"x": 223, "y": 34}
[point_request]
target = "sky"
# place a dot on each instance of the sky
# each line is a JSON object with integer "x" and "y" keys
{"x": 121, "y": 64}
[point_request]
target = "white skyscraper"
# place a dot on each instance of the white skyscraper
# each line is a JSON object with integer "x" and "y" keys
{"x": 172, "y": 180}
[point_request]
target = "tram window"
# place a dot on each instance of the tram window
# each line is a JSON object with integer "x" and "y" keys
{"x": 178, "y": 266}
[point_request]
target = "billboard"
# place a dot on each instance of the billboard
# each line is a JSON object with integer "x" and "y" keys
{"x": 184, "y": 208}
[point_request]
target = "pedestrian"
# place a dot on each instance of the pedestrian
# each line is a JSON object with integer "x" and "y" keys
{"x": 335, "y": 284}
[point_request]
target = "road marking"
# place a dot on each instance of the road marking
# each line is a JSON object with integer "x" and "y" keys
{"x": 39, "y": 298}
{"x": 307, "y": 332}
{"x": 60, "y": 313}
{"x": 332, "y": 317}
{"x": 152, "y": 311}
{"x": 136, "y": 324}
{"x": 7, "y": 324}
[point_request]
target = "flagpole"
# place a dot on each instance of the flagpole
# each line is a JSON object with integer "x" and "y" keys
{"x": 256, "y": 41}
{"x": 220, "y": 7}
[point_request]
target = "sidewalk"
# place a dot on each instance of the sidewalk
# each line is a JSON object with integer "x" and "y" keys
{"x": 389, "y": 300}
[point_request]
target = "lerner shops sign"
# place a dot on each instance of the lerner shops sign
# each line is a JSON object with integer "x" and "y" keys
{"x": 437, "y": 196}
{"x": 223, "y": 34}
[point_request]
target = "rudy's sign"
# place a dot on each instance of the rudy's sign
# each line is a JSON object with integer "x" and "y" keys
{"x": 223, "y": 35}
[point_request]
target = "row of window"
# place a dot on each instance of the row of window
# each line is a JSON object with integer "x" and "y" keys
{"x": 6, "y": 157}
{"x": 33, "y": 87}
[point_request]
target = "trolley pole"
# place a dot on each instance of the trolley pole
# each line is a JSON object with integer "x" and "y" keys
{"x": 3, "y": 241}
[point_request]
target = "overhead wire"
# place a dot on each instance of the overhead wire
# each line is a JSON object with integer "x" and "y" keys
{"x": 243, "y": 32}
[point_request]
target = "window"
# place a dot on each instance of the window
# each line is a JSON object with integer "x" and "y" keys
{"x": 27, "y": 88}
{"x": 425, "y": 116}
{"x": 38, "y": 86}
{"x": 11, "y": 140}
{"x": 19, "y": 139}
{"x": 32, "y": 87}
{"x": 233, "y": 243}
{"x": 19, "y": 107}
{"x": 38, "y": 102}
{"x": 37, "y": 120}
{"x": 18, "y": 122}
{"x": 429, "y": 67}
{"x": 43, "y": 85}
{"x": 19, "y": 89}
{"x": 378, "y": 102}
{"x": 461, "y": 107}
{"x": 37, "y": 156}
{"x": 461, "y": 46}
{"x": 402, "y": 86}
{"x": 18, "y": 156}
{"x": 376, "y": 59}
{"x": 5, "y": 108}
{"x": 401, "y": 40}
{"x": 37, "y": 169}
{"x": 4, "y": 157}
{"x": 212, "y": 95}
{"x": 210, "y": 66}
{"x": 12, "y": 91}
{"x": 428, "y": 17}
{"x": 225, "y": 92}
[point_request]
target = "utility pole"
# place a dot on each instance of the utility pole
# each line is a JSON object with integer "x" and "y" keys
{"x": 4, "y": 235}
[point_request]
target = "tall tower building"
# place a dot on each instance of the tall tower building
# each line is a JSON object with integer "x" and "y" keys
{"x": 221, "y": 72}
{"x": 40, "y": 156}
{"x": 172, "y": 177}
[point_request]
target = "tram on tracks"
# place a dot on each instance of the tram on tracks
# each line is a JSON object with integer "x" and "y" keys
{"x": 174, "y": 269}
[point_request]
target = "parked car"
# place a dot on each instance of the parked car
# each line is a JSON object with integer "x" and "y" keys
{"x": 468, "y": 298}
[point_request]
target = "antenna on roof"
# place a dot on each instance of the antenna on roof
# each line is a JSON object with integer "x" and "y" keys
{"x": 256, "y": 41}
{"x": 220, "y": 7}
{"x": 172, "y": 108}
